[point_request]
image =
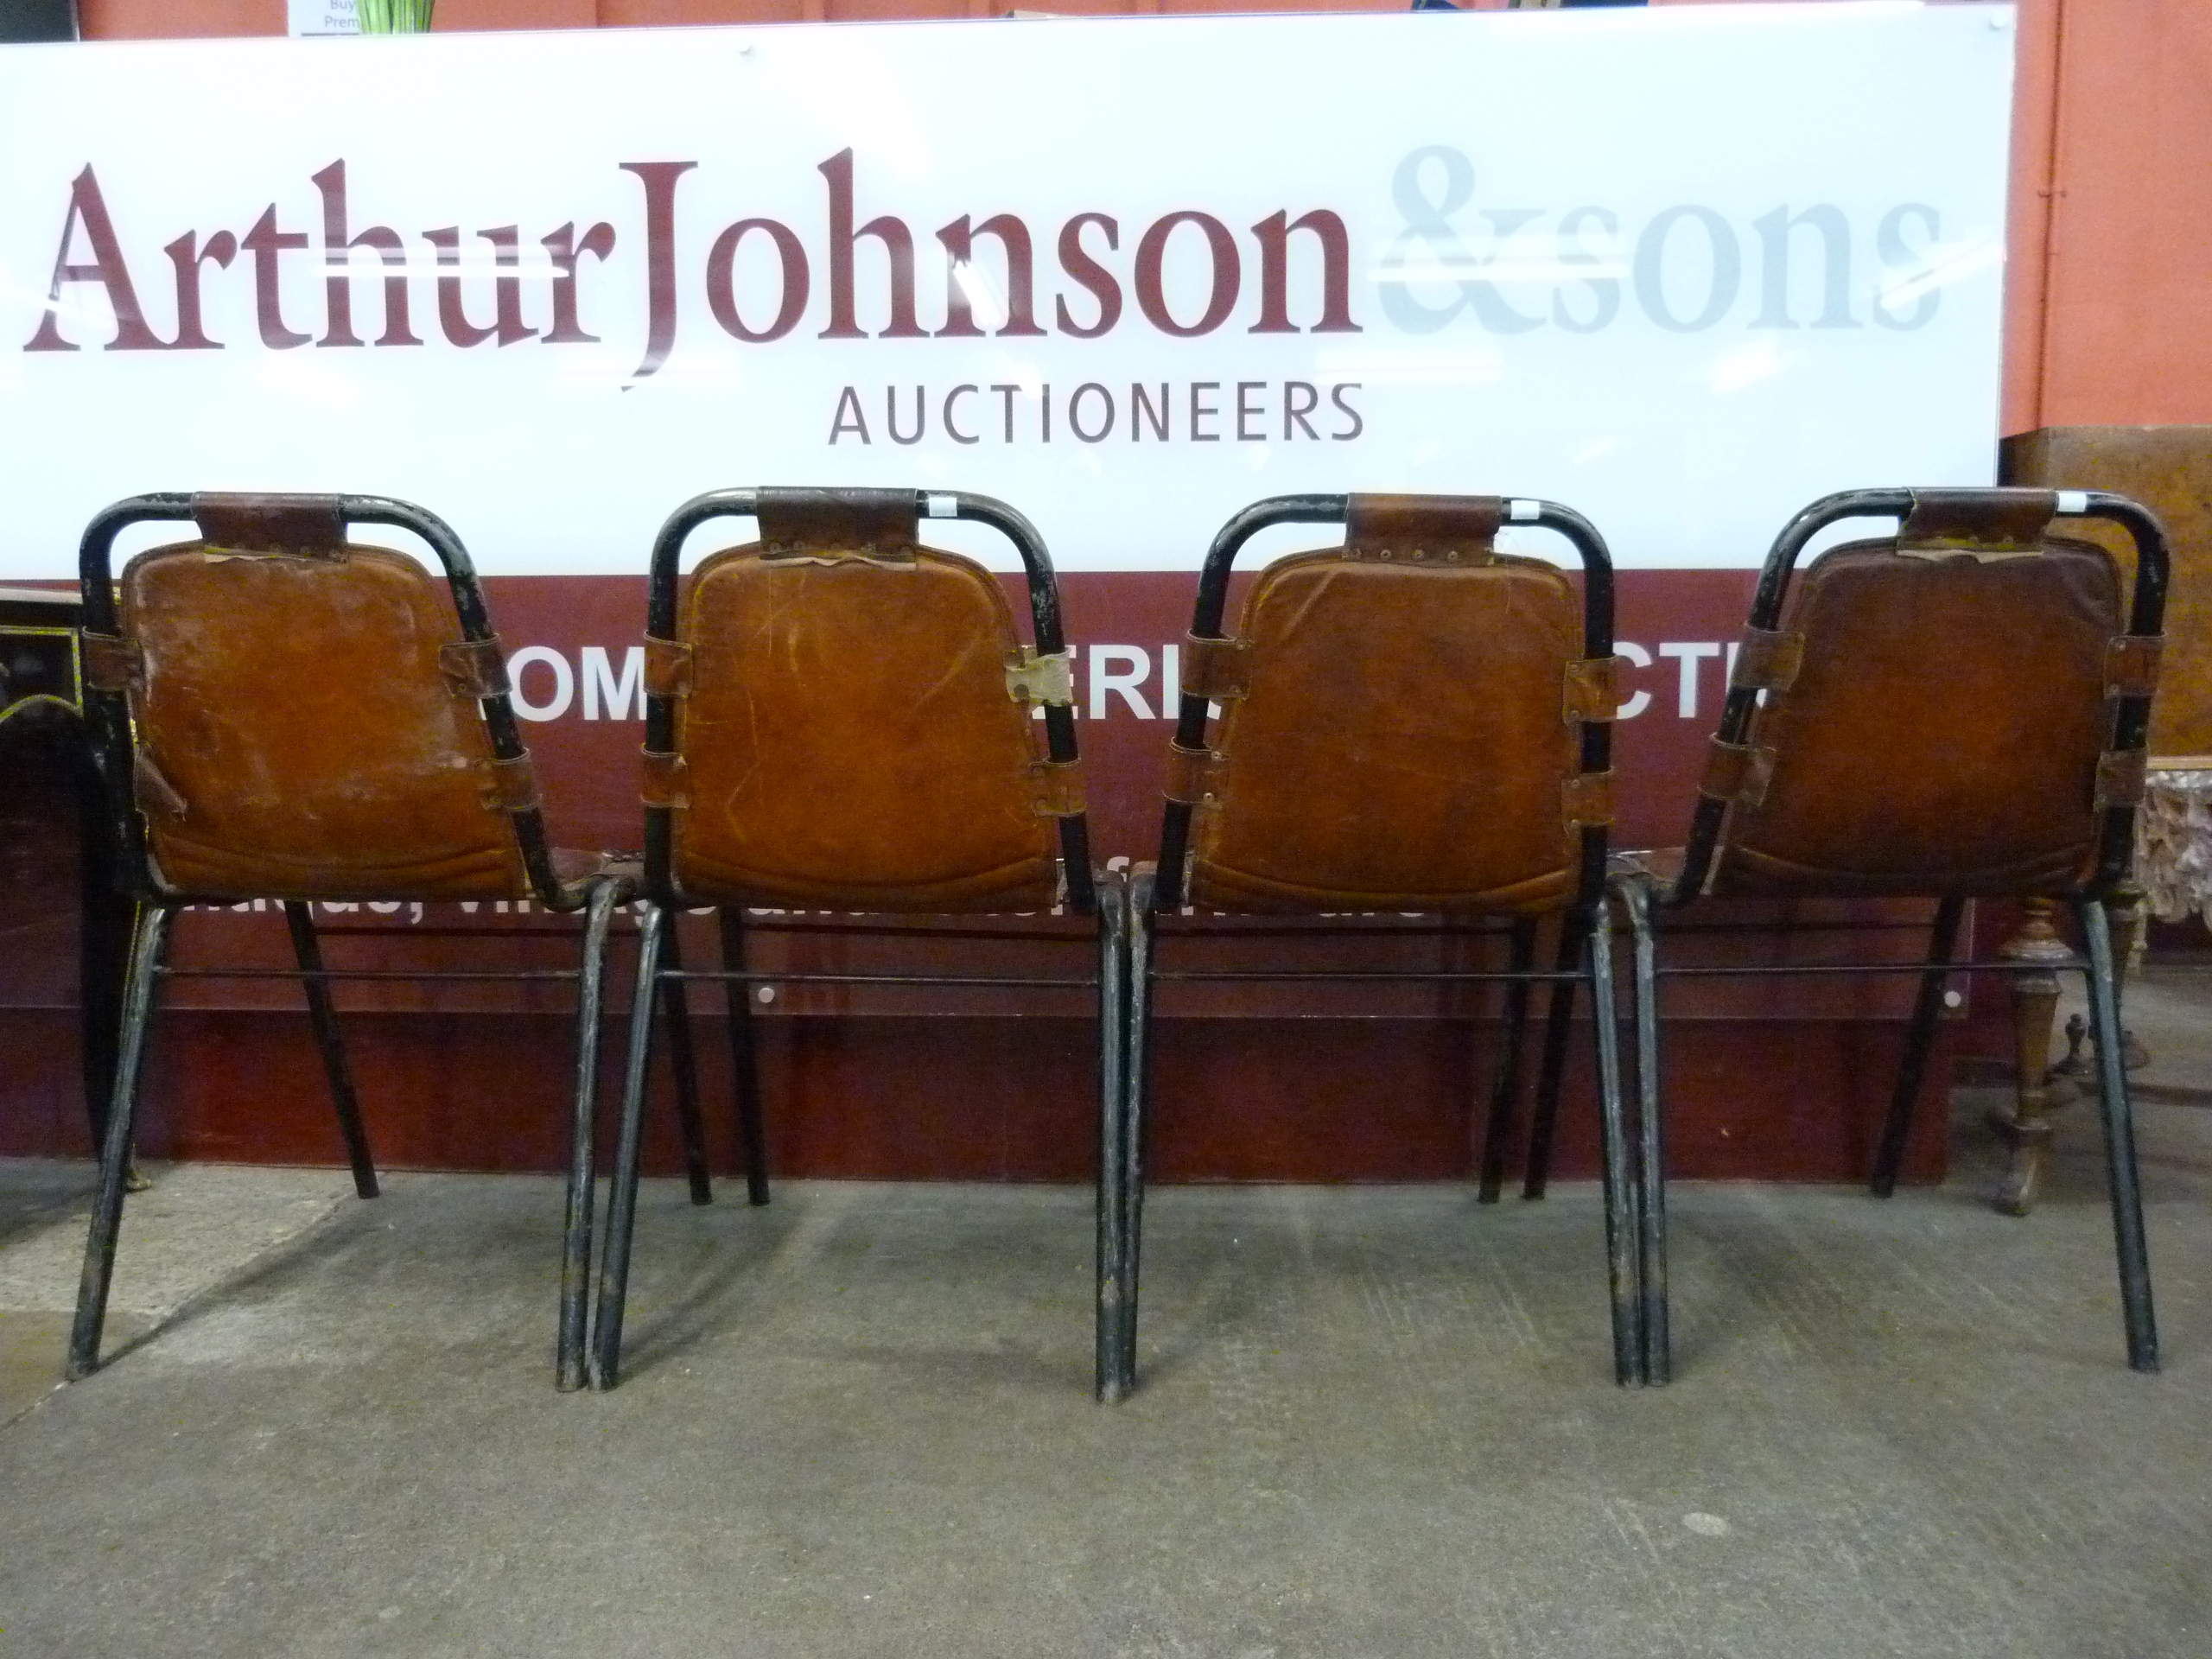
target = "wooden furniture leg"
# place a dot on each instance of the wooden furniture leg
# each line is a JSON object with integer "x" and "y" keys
{"x": 2026, "y": 1128}
{"x": 2130, "y": 910}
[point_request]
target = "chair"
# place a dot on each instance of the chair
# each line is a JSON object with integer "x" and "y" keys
{"x": 1414, "y": 723}
{"x": 839, "y": 718}
{"x": 1954, "y": 711}
{"x": 283, "y": 714}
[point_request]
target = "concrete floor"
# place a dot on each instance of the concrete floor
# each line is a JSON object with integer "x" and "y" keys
{"x": 1372, "y": 1422}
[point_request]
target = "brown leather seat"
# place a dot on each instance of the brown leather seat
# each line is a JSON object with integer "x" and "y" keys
{"x": 301, "y": 717}
{"x": 1412, "y": 721}
{"x": 303, "y": 733}
{"x": 1944, "y": 728}
{"x": 1401, "y": 728}
{"x": 846, "y": 737}
{"x": 1957, "y": 710}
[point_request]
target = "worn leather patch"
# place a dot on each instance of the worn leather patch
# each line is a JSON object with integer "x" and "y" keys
{"x": 1192, "y": 774}
{"x": 849, "y": 740}
{"x": 1978, "y": 520}
{"x": 1220, "y": 671}
{"x": 311, "y": 526}
{"x": 1586, "y": 799}
{"x": 668, "y": 667}
{"x": 111, "y": 663}
{"x": 664, "y": 779}
{"x": 476, "y": 667}
{"x": 1768, "y": 659}
{"x": 877, "y": 524}
{"x": 1737, "y": 771}
{"x": 1420, "y": 529}
{"x": 2131, "y": 664}
{"x": 2121, "y": 774}
{"x": 1060, "y": 788}
{"x": 1049, "y": 679}
{"x": 1944, "y": 727}
{"x": 1593, "y": 689}
{"x": 511, "y": 785}
{"x": 1402, "y": 745}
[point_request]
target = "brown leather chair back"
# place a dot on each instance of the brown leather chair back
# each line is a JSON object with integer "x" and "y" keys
{"x": 1401, "y": 728}
{"x": 306, "y": 721}
{"x": 851, "y": 729}
{"x": 1938, "y": 716}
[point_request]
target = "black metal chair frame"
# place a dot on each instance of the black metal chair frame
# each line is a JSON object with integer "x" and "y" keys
{"x": 1585, "y": 955}
{"x": 109, "y": 717}
{"x": 659, "y": 962}
{"x": 1640, "y": 893}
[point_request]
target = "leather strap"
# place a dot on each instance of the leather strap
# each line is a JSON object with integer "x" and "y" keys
{"x": 874, "y": 523}
{"x": 668, "y": 667}
{"x": 665, "y": 781}
{"x": 1423, "y": 529}
{"x": 110, "y": 662}
{"x": 511, "y": 785}
{"x": 1978, "y": 520}
{"x": 155, "y": 793}
{"x": 1060, "y": 788}
{"x": 1586, "y": 799}
{"x": 1193, "y": 774}
{"x": 476, "y": 667}
{"x": 1768, "y": 660}
{"x": 1220, "y": 671}
{"x": 2131, "y": 665}
{"x": 2120, "y": 775}
{"x": 1049, "y": 679}
{"x": 1593, "y": 690}
{"x": 1737, "y": 773}
{"x": 309, "y": 526}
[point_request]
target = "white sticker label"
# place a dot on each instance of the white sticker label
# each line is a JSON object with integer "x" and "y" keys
{"x": 322, "y": 17}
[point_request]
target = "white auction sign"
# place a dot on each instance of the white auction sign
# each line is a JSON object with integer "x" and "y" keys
{"x": 1684, "y": 269}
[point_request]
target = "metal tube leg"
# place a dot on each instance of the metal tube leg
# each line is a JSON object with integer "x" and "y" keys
{"x": 1558, "y": 1027}
{"x": 622, "y": 1199}
{"x": 583, "y": 1134}
{"x": 1109, "y": 1384}
{"x": 1651, "y": 1154}
{"x": 1506, "y": 1094}
{"x": 1136, "y": 1078}
{"x": 744, "y": 1058}
{"x": 1621, "y": 1233}
{"x": 2119, "y": 1144}
{"x": 115, "y": 1153}
{"x": 106, "y": 919}
{"x": 1920, "y": 1036}
{"x": 686, "y": 1069}
{"x": 309, "y": 951}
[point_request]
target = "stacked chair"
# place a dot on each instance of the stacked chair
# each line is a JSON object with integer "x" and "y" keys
{"x": 840, "y": 718}
{"x": 283, "y": 714}
{"x": 1957, "y": 710}
{"x": 1413, "y": 721}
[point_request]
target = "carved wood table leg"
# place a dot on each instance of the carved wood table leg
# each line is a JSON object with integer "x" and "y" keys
{"x": 2026, "y": 1128}
{"x": 2129, "y": 910}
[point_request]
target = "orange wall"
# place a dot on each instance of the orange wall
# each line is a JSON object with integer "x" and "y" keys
{"x": 2127, "y": 302}
{"x": 2110, "y": 277}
